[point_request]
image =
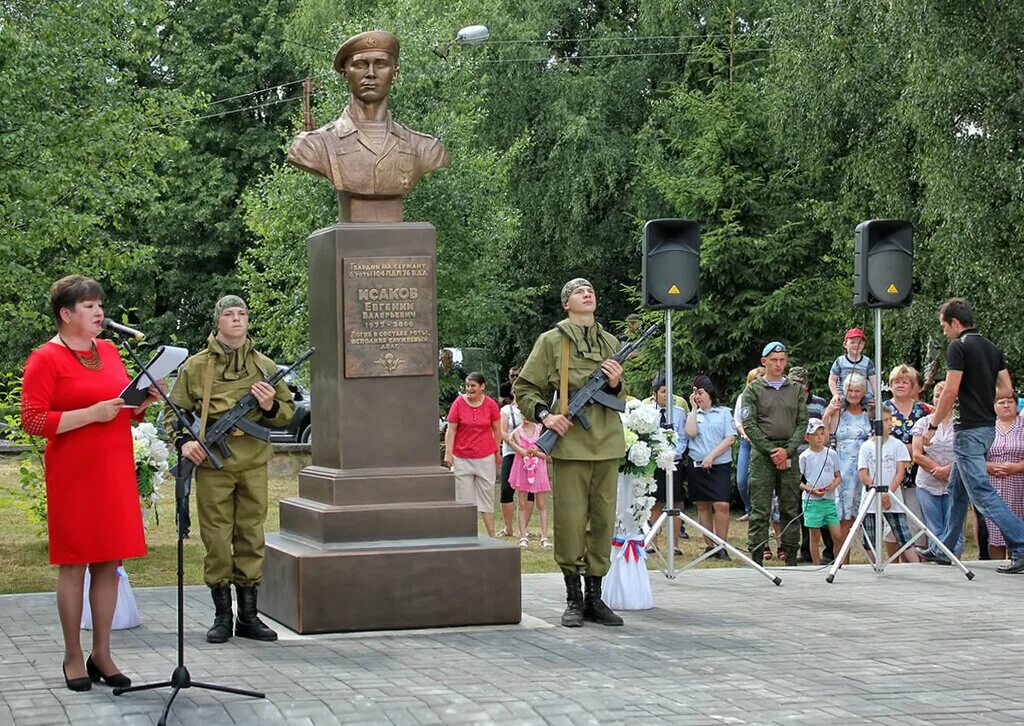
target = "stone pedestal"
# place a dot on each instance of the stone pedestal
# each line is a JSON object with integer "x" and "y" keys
{"x": 375, "y": 539}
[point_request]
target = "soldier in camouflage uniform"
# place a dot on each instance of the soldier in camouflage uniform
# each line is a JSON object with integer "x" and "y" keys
{"x": 774, "y": 415}
{"x": 232, "y": 502}
{"x": 586, "y": 462}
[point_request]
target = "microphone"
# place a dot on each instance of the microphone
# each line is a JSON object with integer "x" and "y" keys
{"x": 123, "y": 329}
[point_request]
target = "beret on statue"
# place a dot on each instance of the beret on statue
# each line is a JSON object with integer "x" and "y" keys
{"x": 370, "y": 40}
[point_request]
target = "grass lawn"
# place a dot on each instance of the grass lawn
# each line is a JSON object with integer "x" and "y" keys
{"x": 24, "y": 563}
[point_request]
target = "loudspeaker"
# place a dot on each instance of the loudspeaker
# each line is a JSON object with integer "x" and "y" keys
{"x": 671, "y": 264}
{"x": 883, "y": 264}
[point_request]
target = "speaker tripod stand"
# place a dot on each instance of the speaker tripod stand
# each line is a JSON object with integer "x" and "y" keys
{"x": 180, "y": 678}
{"x": 671, "y": 513}
{"x": 873, "y": 500}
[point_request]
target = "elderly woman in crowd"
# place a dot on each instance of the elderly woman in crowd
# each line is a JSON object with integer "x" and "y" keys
{"x": 710, "y": 431}
{"x": 934, "y": 463}
{"x": 1006, "y": 469}
{"x": 907, "y": 409}
{"x": 848, "y": 421}
{"x": 70, "y": 395}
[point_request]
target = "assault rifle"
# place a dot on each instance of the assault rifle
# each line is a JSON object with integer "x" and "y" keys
{"x": 593, "y": 392}
{"x": 217, "y": 431}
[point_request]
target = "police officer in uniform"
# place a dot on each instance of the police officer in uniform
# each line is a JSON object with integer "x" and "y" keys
{"x": 586, "y": 462}
{"x": 232, "y": 502}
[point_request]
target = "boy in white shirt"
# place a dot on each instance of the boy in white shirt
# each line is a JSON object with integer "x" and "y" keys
{"x": 819, "y": 477}
{"x": 895, "y": 459}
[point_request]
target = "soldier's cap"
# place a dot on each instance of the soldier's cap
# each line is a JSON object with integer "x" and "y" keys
{"x": 227, "y": 302}
{"x": 798, "y": 374}
{"x": 370, "y": 40}
{"x": 773, "y": 347}
{"x": 573, "y": 284}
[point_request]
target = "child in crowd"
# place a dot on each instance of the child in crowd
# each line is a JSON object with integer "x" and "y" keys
{"x": 819, "y": 478}
{"x": 853, "y": 360}
{"x": 529, "y": 475}
{"x": 895, "y": 459}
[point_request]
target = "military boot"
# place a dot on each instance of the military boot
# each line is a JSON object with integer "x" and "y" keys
{"x": 573, "y": 615}
{"x": 248, "y": 623}
{"x": 221, "y": 629}
{"x": 594, "y": 608}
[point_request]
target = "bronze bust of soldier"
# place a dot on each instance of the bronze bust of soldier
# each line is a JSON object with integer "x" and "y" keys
{"x": 372, "y": 160}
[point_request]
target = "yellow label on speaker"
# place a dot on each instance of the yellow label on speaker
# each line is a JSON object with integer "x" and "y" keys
{"x": 892, "y": 289}
{"x": 673, "y": 290}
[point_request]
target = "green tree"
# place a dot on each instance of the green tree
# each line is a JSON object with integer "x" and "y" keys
{"x": 83, "y": 139}
{"x": 709, "y": 151}
{"x": 214, "y": 49}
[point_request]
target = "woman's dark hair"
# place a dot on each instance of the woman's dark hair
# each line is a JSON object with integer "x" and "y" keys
{"x": 71, "y": 290}
{"x": 476, "y": 377}
{"x": 959, "y": 309}
{"x": 705, "y": 382}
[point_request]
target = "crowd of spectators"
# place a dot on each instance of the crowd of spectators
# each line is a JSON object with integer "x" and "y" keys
{"x": 713, "y": 458}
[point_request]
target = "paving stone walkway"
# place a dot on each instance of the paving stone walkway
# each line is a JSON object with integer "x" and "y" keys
{"x": 916, "y": 645}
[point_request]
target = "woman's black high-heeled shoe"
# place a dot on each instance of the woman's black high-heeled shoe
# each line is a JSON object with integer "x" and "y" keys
{"x": 76, "y": 684}
{"x": 117, "y": 680}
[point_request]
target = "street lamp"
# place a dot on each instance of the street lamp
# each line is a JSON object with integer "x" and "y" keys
{"x": 470, "y": 35}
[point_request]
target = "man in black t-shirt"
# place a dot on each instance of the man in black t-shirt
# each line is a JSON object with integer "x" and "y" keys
{"x": 976, "y": 376}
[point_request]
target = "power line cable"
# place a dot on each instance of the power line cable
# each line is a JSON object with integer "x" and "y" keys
{"x": 253, "y": 93}
{"x": 556, "y": 57}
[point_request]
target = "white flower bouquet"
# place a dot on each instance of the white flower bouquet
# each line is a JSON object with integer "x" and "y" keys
{"x": 153, "y": 459}
{"x": 648, "y": 447}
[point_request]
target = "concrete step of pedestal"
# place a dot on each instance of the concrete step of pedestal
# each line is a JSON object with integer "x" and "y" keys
{"x": 328, "y": 523}
{"x": 441, "y": 582}
{"x": 376, "y": 486}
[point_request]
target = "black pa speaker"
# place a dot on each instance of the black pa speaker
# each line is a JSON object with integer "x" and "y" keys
{"x": 883, "y": 264}
{"x": 671, "y": 265}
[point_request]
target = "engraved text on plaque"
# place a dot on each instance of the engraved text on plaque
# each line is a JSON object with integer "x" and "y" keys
{"x": 389, "y": 316}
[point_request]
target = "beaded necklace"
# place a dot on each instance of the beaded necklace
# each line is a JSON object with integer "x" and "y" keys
{"x": 90, "y": 360}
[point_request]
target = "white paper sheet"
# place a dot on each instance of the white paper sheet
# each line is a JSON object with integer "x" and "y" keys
{"x": 167, "y": 360}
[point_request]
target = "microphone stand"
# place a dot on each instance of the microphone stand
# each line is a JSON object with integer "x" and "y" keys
{"x": 180, "y": 678}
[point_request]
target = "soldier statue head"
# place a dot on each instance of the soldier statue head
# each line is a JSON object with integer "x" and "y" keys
{"x": 371, "y": 160}
{"x": 369, "y": 64}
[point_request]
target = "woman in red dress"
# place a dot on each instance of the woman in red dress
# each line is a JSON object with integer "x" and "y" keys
{"x": 70, "y": 396}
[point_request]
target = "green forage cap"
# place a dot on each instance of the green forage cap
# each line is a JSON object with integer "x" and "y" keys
{"x": 228, "y": 301}
{"x": 572, "y": 285}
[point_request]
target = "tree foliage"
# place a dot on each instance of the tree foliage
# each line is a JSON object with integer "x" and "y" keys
{"x": 83, "y": 136}
{"x": 777, "y": 124}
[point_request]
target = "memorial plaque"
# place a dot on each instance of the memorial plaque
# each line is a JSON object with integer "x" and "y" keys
{"x": 389, "y": 316}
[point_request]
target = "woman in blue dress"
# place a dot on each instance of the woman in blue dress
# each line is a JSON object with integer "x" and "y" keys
{"x": 850, "y": 424}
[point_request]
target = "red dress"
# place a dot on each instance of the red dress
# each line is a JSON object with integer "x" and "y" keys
{"x": 92, "y": 497}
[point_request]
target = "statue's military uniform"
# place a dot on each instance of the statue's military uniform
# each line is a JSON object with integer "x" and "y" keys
{"x": 232, "y": 502}
{"x": 586, "y": 462}
{"x": 356, "y": 165}
{"x": 774, "y": 419}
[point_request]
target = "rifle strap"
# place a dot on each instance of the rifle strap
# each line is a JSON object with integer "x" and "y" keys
{"x": 563, "y": 378}
{"x": 207, "y": 389}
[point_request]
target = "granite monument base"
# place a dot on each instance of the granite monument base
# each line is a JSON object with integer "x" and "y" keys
{"x": 375, "y": 540}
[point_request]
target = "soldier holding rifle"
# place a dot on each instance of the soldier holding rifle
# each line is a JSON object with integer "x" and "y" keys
{"x": 232, "y": 502}
{"x": 586, "y": 460}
